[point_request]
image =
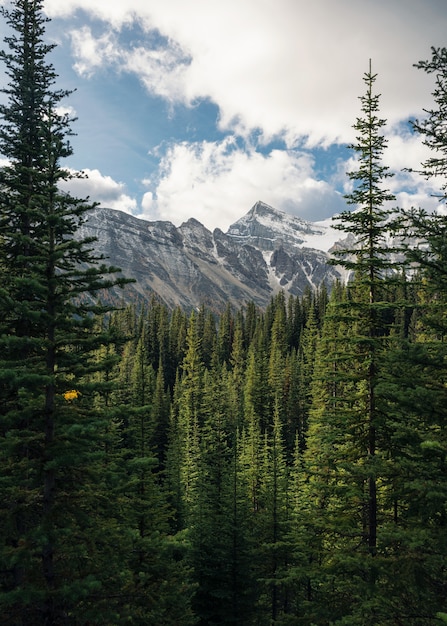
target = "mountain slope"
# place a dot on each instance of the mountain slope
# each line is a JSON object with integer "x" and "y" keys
{"x": 263, "y": 252}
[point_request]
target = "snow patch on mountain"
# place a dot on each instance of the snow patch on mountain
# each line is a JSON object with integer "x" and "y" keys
{"x": 271, "y": 228}
{"x": 324, "y": 236}
{"x": 265, "y": 251}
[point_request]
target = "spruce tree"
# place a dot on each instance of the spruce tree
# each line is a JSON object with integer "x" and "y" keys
{"x": 418, "y": 387}
{"x": 431, "y": 229}
{"x": 371, "y": 262}
{"x": 183, "y": 455}
{"x": 306, "y": 361}
{"x": 274, "y": 527}
{"x": 237, "y": 376}
{"x": 347, "y": 444}
{"x": 50, "y": 437}
{"x": 218, "y": 529}
{"x": 432, "y": 126}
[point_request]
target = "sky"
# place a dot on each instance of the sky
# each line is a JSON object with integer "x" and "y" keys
{"x": 200, "y": 108}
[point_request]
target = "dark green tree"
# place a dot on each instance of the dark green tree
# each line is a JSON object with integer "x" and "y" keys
{"x": 432, "y": 228}
{"x": 183, "y": 457}
{"x": 348, "y": 440}
{"x": 237, "y": 378}
{"x": 371, "y": 262}
{"x": 225, "y": 334}
{"x": 273, "y": 527}
{"x": 221, "y": 550}
{"x": 418, "y": 385}
{"x": 432, "y": 126}
{"x": 50, "y": 436}
{"x": 306, "y": 361}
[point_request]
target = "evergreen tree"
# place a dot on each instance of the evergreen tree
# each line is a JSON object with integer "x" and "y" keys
{"x": 292, "y": 422}
{"x": 177, "y": 345}
{"x": 225, "y": 335}
{"x": 274, "y": 527}
{"x": 237, "y": 378}
{"x": 306, "y": 360}
{"x": 220, "y": 543}
{"x": 51, "y": 437}
{"x": 186, "y": 422}
{"x": 294, "y": 321}
{"x": 160, "y": 409}
{"x": 158, "y": 585}
{"x": 251, "y": 321}
{"x": 348, "y": 440}
{"x": 251, "y": 434}
{"x": 371, "y": 262}
{"x": 418, "y": 385}
{"x": 276, "y": 365}
{"x": 432, "y": 229}
{"x": 432, "y": 127}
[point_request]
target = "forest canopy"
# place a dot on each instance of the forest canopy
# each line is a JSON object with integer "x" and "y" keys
{"x": 277, "y": 466}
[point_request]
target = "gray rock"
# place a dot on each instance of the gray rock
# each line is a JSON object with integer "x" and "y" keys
{"x": 262, "y": 253}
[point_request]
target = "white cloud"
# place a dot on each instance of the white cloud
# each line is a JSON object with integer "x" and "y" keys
{"x": 68, "y": 111}
{"x": 115, "y": 12}
{"x": 404, "y": 155}
{"x": 103, "y": 189}
{"x": 92, "y": 53}
{"x": 289, "y": 67}
{"x": 161, "y": 70}
{"x": 404, "y": 149}
{"x": 218, "y": 182}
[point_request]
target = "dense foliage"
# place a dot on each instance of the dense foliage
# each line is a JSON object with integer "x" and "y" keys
{"x": 158, "y": 467}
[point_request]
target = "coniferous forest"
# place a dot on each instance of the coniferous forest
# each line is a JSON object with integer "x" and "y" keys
{"x": 251, "y": 467}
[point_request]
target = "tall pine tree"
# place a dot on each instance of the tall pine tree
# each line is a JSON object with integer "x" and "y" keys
{"x": 347, "y": 442}
{"x": 50, "y": 437}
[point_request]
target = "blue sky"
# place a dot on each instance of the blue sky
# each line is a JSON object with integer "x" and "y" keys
{"x": 199, "y": 108}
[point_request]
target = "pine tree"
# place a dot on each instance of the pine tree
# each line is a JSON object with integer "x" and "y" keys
{"x": 158, "y": 585}
{"x": 51, "y": 438}
{"x": 418, "y": 385}
{"x": 348, "y": 441}
{"x": 306, "y": 360}
{"x": 177, "y": 345}
{"x": 251, "y": 434}
{"x": 160, "y": 409}
{"x": 432, "y": 126}
{"x": 220, "y": 545}
{"x": 371, "y": 263}
{"x": 225, "y": 334}
{"x": 294, "y": 321}
{"x": 432, "y": 229}
{"x": 237, "y": 377}
{"x": 186, "y": 420}
{"x": 274, "y": 526}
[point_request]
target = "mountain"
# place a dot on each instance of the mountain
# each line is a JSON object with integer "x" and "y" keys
{"x": 263, "y": 252}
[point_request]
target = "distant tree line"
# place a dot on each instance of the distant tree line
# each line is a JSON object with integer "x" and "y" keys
{"x": 253, "y": 467}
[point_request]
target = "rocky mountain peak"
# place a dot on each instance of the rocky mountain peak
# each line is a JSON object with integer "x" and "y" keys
{"x": 265, "y": 251}
{"x": 269, "y": 228}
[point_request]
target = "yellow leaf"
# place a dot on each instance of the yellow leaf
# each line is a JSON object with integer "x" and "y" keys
{"x": 72, "y": 394}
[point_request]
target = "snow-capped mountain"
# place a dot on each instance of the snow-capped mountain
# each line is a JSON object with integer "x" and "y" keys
{"x": 270, "y": 228}
{"x": 263, "y": 252}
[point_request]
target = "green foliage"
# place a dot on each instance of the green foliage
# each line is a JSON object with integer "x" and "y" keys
{"x": 66, "y": 499}
{"x": 432, "y": 126}
{"x": 284, "y": 466}
{"x": 263, "y": 497}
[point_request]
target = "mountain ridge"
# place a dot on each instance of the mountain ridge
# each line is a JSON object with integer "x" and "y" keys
{"x": 263, "y": 252}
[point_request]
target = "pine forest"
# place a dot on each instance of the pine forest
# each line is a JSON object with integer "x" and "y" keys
{"x": 250, "y": 467}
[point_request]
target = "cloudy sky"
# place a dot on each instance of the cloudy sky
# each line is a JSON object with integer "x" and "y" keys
{"x": 199, "y": 108}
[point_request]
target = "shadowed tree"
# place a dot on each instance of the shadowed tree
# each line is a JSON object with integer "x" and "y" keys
{"x": 348, "y": 440}
{"x": 50, "y": 437}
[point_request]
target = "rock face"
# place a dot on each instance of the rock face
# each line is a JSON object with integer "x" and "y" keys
{"x": 263, "y": 252}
